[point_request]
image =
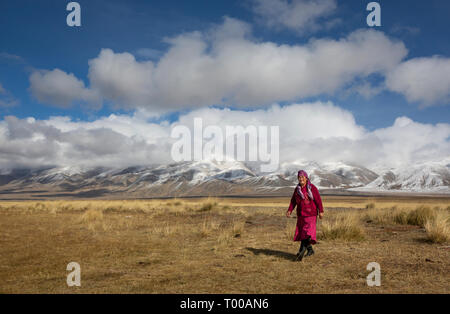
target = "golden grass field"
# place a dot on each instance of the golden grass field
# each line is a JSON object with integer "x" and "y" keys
{"x": 223, "y": 245}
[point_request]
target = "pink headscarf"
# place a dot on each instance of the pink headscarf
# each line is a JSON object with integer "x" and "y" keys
{"x": 308, "y": 185}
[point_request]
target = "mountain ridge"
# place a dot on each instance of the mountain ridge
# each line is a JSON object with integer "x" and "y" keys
{"x": 223, "y": 178}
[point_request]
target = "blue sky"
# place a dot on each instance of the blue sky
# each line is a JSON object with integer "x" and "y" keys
{"x": 39, "y": 36}
{"x": 109, "y": 92}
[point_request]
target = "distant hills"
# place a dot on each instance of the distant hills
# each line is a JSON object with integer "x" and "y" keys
{"x": 217, "y": 178}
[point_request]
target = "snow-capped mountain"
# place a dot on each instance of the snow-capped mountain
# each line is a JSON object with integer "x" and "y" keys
{"x": 331, "y": 175}
{"x": 430, "y": 177}
{"x": 218, "y": 178}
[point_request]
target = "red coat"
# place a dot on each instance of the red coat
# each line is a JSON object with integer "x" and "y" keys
{"x": 306, "y": 213}
{"x": 303, "y": 209}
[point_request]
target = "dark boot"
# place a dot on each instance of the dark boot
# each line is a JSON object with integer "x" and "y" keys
{"x": 310, "y": 250}
{"x": 302, "y": 250}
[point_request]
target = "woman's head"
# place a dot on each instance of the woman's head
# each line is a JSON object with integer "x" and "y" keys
{"x": 302, "y": 177}
{"x": 303, "y": 181}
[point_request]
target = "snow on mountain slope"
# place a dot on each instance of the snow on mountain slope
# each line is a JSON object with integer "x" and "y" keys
{"x": 430, "y": 177}
{"x": 331, "y": 175}
{"x": 206, "y": 177}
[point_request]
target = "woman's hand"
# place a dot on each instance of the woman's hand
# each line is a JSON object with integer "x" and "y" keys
{"x": 320, "y": 215}
{"x": 288, "y": 214}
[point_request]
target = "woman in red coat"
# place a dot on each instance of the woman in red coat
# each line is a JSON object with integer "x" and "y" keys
{"x": 309, "y": 204}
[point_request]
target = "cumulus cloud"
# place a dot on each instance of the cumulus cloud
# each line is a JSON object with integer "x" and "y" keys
{"x": 113, "y": 141}
{"x": 423, "y": 80}
{"x": 408, "y": 142}
{"x": 364, "y": 89}
{"x": 225, "y": 66}
{"x": 122, "y": 79}
{"x": 296, "y": 15}
{"x": 321, "y": 132}
{"x": 60, "y": 89}
{"x": 6, "y": 98}
{"x": 149, "y": 53}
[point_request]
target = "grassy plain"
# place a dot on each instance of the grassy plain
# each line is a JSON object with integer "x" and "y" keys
{"x": 223, "y": 245}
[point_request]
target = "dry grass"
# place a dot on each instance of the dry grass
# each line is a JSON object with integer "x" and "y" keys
{"x": 438, "y": 228}
{"x": 290, "y": 229}
{"x": 346, "y": 226}
{"x": 420, "y": 215}
{"x": 222, "y": 246}
{"x": 209, "y": 227}
{"x": 370, "y": 206}
{"x": 435, "y": 221}
{"x": 208, "y": 205}
{"x": 93, "y": 218}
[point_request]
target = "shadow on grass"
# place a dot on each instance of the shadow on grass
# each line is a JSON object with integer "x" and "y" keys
{"x": 424, "y": 240}
{"x": 287, "y": 256}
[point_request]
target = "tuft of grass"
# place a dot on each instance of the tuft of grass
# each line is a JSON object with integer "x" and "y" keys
{"x": 227, "y": 234}
{"x": 208, "y": 227}
{"x": 93, "y": 218}
{"x": 290, "y": 229}
{"x": 420, "y": 216}
{"x": 438, "y": 229}
{"x": 370, "y": 206}
{"x": 346, "y": 227}
{"x": 177, "y": 202}
{"x": 208, "y": 205}
{"x": 40, "y": 206}
{"x": 237, "y": 228}
{"x": 165, "y": 230}
{"x": 416, "y": 217}
{"x": 401, "y": 216}
{"x": 224, "y": 237}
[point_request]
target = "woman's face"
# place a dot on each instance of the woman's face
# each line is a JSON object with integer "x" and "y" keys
{"x": 302, "y": 180}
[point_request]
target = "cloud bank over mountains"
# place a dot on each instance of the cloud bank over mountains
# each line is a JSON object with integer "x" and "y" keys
{"x": 321, "y": 132}
{"x": 225, "y": 65}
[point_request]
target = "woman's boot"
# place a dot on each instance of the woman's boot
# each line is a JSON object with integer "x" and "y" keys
{"x": 310, "y": 250}
{"x": 302, "y": 250}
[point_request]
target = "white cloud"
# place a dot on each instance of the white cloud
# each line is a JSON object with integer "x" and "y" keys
{"x": 408, "y": 142}
{"x": 319, "y": 132}
{"x": 60, "y": 89}
{"x": 424, "y": 80}
{"x": 6, "y": 98}
{"x": 365, "y": 89}
{"x": 122, "y": 79}
{"x": 149, "y": 53}
{"x": 225, "y": 66}
{"x": 114, "y": 141}
{"x": 296, "y": 15}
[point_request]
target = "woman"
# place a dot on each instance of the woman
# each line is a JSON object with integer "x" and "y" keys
{"x": 307, "y": 199}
